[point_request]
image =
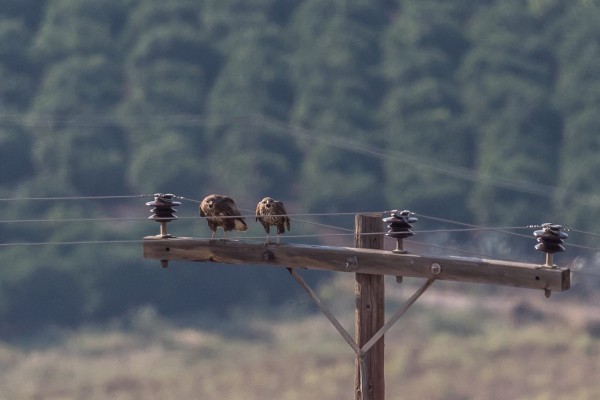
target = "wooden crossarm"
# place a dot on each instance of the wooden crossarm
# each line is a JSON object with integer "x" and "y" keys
{"x": 367, "y": 261}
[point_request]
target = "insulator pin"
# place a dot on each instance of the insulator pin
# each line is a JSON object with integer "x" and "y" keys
{"x": 550, "y": 240}
{"x": 163, "y": 211}
{"x": 399, "y": 224}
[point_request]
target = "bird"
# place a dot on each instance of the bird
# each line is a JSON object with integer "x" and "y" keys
{"x": 221, "y": 211}
{"x": 271, "y": 212}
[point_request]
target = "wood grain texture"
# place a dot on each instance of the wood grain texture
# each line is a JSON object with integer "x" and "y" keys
{"x": 368, "y": 261}
{"x": 369, "y": 312}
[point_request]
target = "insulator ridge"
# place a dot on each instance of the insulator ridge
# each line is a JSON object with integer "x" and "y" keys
{"x": 550, "y": 240}
{"x": 399, "y": 224}
{"x": 163, "y": 210}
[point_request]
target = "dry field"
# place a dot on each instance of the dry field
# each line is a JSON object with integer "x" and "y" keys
{"x": 448, "y": 347}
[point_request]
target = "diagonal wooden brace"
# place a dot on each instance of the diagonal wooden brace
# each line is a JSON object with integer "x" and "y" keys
{"x": 361, "y": 352}
{"x": 397, "y": 315}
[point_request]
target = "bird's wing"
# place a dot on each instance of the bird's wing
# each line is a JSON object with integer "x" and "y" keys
{"x": 279, "y": 209}
{"x": 259, "y": 210}
{"x": 226, "y": 206}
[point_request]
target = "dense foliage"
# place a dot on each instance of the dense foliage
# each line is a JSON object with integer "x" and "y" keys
{"x": 479, "y": 111}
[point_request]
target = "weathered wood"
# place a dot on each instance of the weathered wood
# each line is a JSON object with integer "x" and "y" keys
{"x": 369, "y": 313}
{"x": 368, "y": 261}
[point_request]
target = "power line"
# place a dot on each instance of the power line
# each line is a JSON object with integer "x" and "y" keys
{"x": 129, "y": 219}
{"x": 469, "y": 227}
{"x": 468, "y": 252}
{"x": 70, "y": 243}
{"x": 109, "y": 197}
{"x": 455, "y": 171}
{"x": 460, "y": 172}
{"x": 73, "y": 198}
{"x": 583, "y": 232}
{"x": 118, "y": 219}
{"x": 322, "y": 225}
{"x": 505, "y": 229}
{"x": 318, "y": 235}
{"x": 474, "y": 228}
{"x": 57, "y": 220}
{"x": 76, "y": 198}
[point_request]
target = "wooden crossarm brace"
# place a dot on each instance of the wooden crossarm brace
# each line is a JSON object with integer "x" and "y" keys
{"x": 367, "y": 261}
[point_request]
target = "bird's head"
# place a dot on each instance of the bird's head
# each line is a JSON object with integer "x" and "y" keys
{"x": 268, "y": 202}
{"x": 210, "y": 201}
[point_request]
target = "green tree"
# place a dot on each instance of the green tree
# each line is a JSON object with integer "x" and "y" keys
{"x": 422, "y": 110}
{"x": 16, "y": 89}
{"x": 27, "y": 11}
{"x": 75, "y": 144}
{"x": 82, "y": 27}
{"x": 506, "y": 77}
{"x": 16, "y": 66}
{"x": 15, "y": 158}
{"x": 169, "y": 71}
{"x": 169, "y": 162}
{"x": 144, "y": 16}
{"x": 226, "y": 21}
{"x": 577, "y": 97}
{"x": 252, "y": 89}
{"x": 336, "y": 92}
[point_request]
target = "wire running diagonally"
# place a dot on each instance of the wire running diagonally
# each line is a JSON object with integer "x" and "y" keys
{"x": 76, "y": 198}
{"x": 467, "y": 227}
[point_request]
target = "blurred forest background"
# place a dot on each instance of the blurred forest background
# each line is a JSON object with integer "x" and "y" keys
{"x": 485, "y": 112}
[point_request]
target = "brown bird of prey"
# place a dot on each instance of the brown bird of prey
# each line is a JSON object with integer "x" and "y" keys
{"x": 222, "y": 211}
{"x": 271, "y": 212}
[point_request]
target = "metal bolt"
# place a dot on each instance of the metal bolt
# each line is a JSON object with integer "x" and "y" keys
{"x": 268, "y": 255}
{"x": 351, "y": 263}
{"x": 436, "y": 268}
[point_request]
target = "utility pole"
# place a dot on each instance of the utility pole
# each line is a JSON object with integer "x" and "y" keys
{"x": 369, "y": 312}
{"x": 370, "y": 263}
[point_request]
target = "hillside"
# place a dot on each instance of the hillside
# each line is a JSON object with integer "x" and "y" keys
{"x": 477, "y": 112}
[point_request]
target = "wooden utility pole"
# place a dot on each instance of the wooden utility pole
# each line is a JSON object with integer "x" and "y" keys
{"x": 369, "y": 262}
{"x": 369, "y": 312}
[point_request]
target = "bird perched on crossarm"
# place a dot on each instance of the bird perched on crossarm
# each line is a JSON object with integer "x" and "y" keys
{"x": 271, "y": 212}
{"x": 221, "y": 211}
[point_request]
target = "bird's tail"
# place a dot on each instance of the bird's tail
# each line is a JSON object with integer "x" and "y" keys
{"x": 240, "y": 224}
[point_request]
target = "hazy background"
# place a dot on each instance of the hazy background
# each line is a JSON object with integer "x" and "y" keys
{"x": 478, "y": 112}
{"x": 483, "y": 112}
